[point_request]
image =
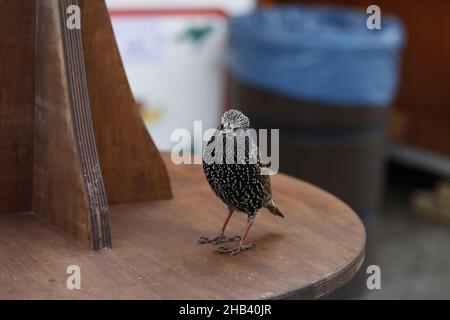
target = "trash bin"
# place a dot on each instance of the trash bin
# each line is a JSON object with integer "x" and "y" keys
{"x": 326, "y": 81}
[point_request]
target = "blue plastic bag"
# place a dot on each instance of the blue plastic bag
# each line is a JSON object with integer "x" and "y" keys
{"x": 323, "y": 54}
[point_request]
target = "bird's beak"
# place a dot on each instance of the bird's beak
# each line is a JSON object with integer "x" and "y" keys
{"x": 226, "y": 129}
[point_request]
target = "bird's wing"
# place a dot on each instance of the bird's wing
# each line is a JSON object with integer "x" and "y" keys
{"x": 264, "y": 178}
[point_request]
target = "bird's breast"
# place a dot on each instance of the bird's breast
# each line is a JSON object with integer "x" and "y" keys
{"x": 237, "y": 185}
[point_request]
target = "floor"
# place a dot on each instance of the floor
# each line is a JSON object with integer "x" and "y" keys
{"x": 412, "y": 253}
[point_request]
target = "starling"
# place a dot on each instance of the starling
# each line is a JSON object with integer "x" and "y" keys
{"x": 239, "y": 184}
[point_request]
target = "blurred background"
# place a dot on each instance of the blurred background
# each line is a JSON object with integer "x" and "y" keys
{"x": 363, "y": 112}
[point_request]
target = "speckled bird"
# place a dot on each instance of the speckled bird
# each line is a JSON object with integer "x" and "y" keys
{"x": 239, "y": 184}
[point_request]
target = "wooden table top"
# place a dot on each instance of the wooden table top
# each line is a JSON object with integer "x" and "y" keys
{"x": 316, "y": 249}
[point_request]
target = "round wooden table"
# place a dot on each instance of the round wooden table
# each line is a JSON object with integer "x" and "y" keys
{"x": 316, "y": 249}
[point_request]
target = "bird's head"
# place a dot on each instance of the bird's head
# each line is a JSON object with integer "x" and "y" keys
{"x": 232, "y": 120}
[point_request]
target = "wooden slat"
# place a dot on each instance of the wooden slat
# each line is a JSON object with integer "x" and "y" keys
{"x": 54, "y": 98}
{"x": 131, "y": 165}
{"x": 85, "y": 141}
{"x": 61, "y": 178}
{"x": 17, "y": 40}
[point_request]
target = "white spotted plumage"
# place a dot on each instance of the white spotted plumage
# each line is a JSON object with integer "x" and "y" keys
{"x": 239, "y": 185}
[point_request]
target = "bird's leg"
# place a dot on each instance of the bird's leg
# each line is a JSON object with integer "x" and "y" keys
{"x": 221, "y": 237}
{"x": 241, "y": 246}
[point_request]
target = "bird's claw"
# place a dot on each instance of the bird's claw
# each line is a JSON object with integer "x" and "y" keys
{"x": 217, "y": 240}
{"x": 236, "y": 250}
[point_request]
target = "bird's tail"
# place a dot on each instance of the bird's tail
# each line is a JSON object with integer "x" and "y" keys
{"x": 271, "y": 206}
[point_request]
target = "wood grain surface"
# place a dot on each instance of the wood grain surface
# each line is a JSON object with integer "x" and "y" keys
{"x": 17, "y": 41}
{"x": 315, "y": 250}
{"x": 131, "y": 165}
{"x": 59, "y": 187}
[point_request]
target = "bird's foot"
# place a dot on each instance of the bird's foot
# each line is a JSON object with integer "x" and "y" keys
{"x": 236, "y": 250}
{"x": 217, "y": 240}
